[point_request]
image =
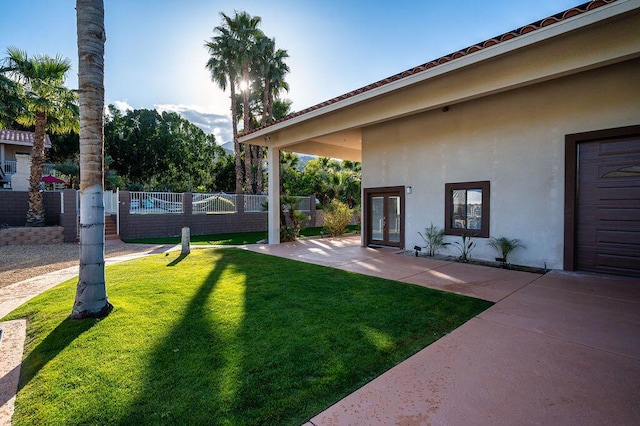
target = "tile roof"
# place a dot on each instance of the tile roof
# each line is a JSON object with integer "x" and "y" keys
{"x": 577, "y": 10}
{"x": 20, "y": 136}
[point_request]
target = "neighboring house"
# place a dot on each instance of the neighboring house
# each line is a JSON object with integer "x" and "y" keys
{"x": 534, "y": 134}
{"x": 14, "y": 143}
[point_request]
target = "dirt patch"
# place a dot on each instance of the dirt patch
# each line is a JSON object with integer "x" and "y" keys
{"x": 20, "y": 262}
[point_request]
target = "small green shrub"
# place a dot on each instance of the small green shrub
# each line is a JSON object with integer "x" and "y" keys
{"x": 337, "y": 216}
{"x": 433, "y": 239}
{"x": 504, "y": 246}
{"x": 465, "y": 247}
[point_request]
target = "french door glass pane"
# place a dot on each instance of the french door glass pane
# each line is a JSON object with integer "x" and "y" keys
{"x": 377, "y": 218}
{"x": 394, "y": 219}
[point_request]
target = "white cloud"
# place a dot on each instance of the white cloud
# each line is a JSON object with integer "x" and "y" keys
{"x": 123, "y": 106}
{"x": 211, "y": 123}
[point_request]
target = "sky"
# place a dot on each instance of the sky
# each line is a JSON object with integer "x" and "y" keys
{"x": 155, "y": 55}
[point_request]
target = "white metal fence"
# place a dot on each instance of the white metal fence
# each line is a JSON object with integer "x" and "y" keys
{"x": 214, "y": 203}
{"x": 221, "y": 203}
{"x": 254, "y": 203}
{"x": 302, "y": 204}
{"x": 155, "y": 202}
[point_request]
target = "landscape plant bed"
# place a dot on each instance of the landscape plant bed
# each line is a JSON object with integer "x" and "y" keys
{"x": 222, "y": 336}
{"x": 496, "y": 264}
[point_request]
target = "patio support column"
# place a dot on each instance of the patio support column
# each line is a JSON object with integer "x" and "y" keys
{"x": 273, "y": 158}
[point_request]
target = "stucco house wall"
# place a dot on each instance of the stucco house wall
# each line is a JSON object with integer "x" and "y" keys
{"x": 516, "y": 140}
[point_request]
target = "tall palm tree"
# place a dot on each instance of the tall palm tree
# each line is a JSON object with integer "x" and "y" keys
{"x": 231, "y": 51}
{"x": 270, "y": 69}
{"x": 91, "y": 293}
{"x": 223, "y": 68}
{"x": 244, "y": 27}
{"x": 49, "y": 106}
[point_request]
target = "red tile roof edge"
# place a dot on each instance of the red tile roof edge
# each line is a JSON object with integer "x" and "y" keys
{"x": 20, "y": 136}
{"x": 558, "y": 17}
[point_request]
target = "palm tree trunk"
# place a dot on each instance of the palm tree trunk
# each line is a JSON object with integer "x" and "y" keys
{"x": 35, "y": 214}
{"x": 248, "y": 169}
{"x": 236, "y": 144}
{"x": 91, "y": 292}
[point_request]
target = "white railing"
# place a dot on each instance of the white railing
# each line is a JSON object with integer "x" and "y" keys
{"x": 302, "y": 204}
{"x": 10, "y": 167}
{"x": 155, "y": 202}
{"x": 221, "y": 203}
{"x": 253, "y": 203}
{"x": 110, "y": 202}
{"x": 214, "y": 203}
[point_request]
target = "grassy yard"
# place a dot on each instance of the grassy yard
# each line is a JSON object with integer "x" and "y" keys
{"x": 237, "y": 238}
{"x": 222, "y": 336}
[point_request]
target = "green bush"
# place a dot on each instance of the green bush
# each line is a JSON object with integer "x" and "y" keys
{"x": 336, "y": 218}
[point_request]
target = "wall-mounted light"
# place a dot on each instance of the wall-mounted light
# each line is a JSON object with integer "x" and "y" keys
{"x": 445, "y": 109}
{"x": 409, "y": 190}
{"x": 267, "y": 138}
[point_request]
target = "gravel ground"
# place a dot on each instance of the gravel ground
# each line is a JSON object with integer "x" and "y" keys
{"x": 21, "y": 262}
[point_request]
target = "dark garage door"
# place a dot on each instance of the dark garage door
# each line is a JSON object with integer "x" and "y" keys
{"x": 608, "y": 210}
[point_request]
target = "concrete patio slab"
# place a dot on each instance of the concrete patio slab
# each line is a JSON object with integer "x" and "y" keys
{"x": 615, "y": 287}
{"x": 486, "y": 373}
{"x": 400, "y": 267}
{"x": 482, "y": 282}
{"x": 584, "y": 316}
{"x": 323, "y": 251}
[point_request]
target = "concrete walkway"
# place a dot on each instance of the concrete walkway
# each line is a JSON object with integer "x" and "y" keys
{"x": 561, "y": 348}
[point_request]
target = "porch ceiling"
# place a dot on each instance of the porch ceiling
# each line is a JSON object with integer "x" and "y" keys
{"x": 346, "y": 145}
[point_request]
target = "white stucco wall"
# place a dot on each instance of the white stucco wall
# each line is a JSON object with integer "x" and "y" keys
{"x": 516, "y": 140}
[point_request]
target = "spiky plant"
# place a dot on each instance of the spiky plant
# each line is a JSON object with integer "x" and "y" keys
{"x": 505, "y": 246}
{"x": 433, "y": 239}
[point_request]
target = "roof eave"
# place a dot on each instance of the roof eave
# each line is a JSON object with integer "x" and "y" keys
{"x": 545, "y": 33}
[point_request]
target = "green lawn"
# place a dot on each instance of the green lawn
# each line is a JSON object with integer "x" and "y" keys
{"x": 237, "y": 238}
{"x": 222, "y": 336}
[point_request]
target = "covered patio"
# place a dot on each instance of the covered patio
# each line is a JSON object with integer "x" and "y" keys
{"x": 497, "y": 118}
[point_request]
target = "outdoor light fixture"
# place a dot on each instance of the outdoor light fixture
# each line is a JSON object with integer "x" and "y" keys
{"x": 409, "y": 190}
{"x": 417, "y": 249}
{"x": 267, "y": 138}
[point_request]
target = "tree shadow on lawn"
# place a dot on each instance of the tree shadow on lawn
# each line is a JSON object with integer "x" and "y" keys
{"x": 261, "y": 345}
{"x": 55, "y": 342}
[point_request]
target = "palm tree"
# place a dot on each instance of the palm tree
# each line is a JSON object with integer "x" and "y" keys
{"x": 49, "y": 106}
{"x": 271, "y": 69}
{"x": 244, "y": 27}
{"x": 91, "y": 293}
{"x": 231, "y": 51}
{"x": 11, "y": 105}
{"x": 222, "y": 65}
